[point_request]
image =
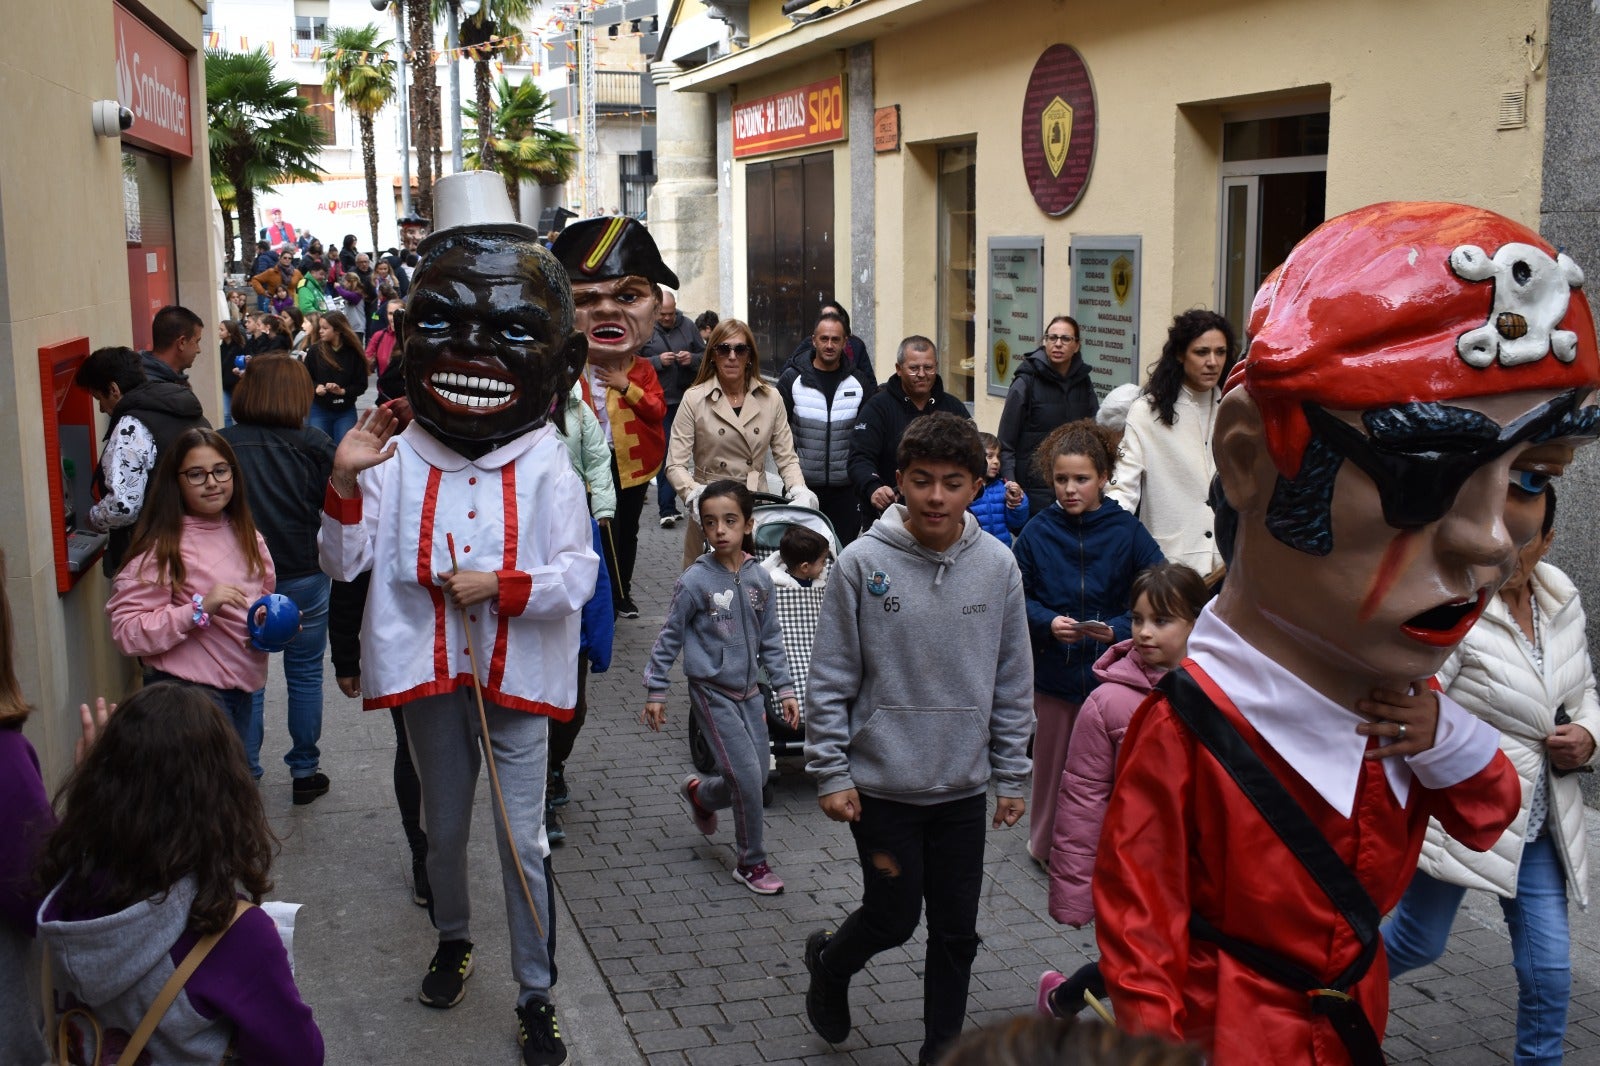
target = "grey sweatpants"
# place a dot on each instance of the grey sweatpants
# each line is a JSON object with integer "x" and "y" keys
{"x": 443, "y": 735}
{"x": 736, "y": 729}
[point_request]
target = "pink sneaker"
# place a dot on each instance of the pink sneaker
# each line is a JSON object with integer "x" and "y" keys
{"x": 704, "y": 820}
{"x": 1049, "y": 981}
{"x": 759, "y": 879}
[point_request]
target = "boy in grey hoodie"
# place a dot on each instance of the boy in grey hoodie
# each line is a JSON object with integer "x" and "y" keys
{"x": 903, "y": 737}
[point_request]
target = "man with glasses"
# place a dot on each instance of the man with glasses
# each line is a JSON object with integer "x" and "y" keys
{"x": 146, "y": 417}
{"x": 1051, "y": 387}
{"x": 824, "y": 397}
{"x": 915, "y": 390}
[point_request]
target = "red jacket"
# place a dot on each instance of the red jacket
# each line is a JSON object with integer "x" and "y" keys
{"x": 1180, "y": 837}
{"x": 637, "y": 433}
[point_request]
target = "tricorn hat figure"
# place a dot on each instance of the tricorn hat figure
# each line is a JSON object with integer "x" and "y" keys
{"x": 611, "y": 246}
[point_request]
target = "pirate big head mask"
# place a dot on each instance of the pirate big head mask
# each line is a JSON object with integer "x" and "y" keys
{"x": 616, "y": 273}
{"x": 1390, "y": 425}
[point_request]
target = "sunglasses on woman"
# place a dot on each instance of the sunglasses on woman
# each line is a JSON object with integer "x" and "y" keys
{"x": 725, "y": 349}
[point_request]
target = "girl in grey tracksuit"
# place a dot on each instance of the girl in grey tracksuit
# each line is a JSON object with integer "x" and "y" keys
{"x": 722, "y": 618}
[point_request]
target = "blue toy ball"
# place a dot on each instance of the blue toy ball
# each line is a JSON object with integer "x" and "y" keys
{"x": 241, "y": 361}
{"x": 274, "y": 623}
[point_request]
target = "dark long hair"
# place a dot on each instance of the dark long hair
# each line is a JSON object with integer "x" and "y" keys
{"x": 1166, "y": 378}
{"x": 14, "y": 707}
{"x": 740, "y": 495}
{"x": 160, "y": 529}
{"x": 345, "y": 339}
{"x": 164, "y": 793}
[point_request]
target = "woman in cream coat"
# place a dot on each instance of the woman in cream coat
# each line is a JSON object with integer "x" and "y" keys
{"x": 1524, "y": 669}
{"x": 730, "y": 418}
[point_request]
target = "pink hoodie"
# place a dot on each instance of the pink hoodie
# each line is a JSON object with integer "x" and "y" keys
{"x": 1086, "y": 779}
{"x": 156, "y": 622}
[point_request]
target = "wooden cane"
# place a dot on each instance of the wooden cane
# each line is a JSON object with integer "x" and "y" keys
{"x": 488, "y": 751}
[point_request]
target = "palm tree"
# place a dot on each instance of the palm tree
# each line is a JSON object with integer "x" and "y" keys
{"x": 222, "y": 189}
{"x": 361, "y": 73}
{"x": 475, "y": 35}
{"x": 424, "y": 100}
{"x": 260, "y": 130}
{"x": 521, "y": 144}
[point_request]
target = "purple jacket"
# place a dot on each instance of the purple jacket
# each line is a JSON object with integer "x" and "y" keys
{"x": 28, "y": 821}
{"x": 1125, "y": 681}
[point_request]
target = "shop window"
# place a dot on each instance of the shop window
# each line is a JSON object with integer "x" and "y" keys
{"x": 789, "y": 251}
{"x": 319, "y": 102}
{"x": 958, "y": 268}
{"x": 1274, "y": 192}
{"x": 638, "y": 175}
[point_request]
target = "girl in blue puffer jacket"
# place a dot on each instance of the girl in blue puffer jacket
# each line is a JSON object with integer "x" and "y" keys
{"x": 1078, "y": 559}
{"x": 994, "y": 509}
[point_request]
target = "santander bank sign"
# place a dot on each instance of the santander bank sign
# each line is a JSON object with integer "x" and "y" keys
{"x": 153, "y": 83}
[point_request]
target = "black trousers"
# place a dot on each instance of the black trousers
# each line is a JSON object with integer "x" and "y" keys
{"x": 563, "y": 735}
{"x": 622, "y": 545}
{"x": 911, "y": 853}
{"x": 408, "y": 790}
{"x": 842, "y": 508}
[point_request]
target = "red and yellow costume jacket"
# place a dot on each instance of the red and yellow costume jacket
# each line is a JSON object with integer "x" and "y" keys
{"x": 636, "y": 417}
{"x": 1181, "y": 838}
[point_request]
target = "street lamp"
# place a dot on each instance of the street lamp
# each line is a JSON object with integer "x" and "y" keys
{"x": 452, "y": 40}
{"x": 405, "y": 105}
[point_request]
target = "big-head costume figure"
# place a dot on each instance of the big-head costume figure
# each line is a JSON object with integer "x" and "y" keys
{"x": 472, "y": 519}
{"x": 1417, "y": 372}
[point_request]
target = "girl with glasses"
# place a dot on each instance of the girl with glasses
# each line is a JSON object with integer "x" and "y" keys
{"x": 195, "y": 566}
{"x": 730, "y": 418}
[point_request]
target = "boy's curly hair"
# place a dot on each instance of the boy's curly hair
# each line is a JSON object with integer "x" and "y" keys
{"x": 1085, "y": 437}
{"x": 941, "y": 437}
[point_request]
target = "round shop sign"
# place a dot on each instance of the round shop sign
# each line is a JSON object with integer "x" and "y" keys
{"x": 1058, "y": 129}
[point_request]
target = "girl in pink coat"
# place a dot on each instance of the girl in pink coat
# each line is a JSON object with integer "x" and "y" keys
{"x": 1166, "y": 601}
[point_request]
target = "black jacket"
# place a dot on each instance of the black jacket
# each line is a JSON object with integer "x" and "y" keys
{"x": 285, "y": 474}
{"x": 230, "y": 352}
{"x": 166, "y": 408}
{"x": 683, "y": 337}
{"x": 351, "y": 375}
{"x": 1040, "y": 400}
{"x": 347, "y": 608}
{"x": 878, "y": 430}
{"x": 156, "y": 370}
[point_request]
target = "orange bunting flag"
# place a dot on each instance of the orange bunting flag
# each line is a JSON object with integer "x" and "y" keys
{"x": 316, "y": 53}
{"x": 272, "y": 48}
{"x": 244, "y": 44}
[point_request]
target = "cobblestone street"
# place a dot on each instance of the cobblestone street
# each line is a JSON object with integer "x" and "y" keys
{"x": 670, "y": 961}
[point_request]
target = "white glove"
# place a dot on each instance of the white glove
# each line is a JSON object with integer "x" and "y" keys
{"x": 801, "y": 496}
{"x": 691, "y": 500}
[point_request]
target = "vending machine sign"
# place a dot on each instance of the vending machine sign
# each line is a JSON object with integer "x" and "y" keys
{"x": 796, "y": 118}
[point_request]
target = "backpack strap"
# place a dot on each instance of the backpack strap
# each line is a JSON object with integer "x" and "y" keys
{"x": 158, "y": 1008}
{"x": 1300, "y": 835}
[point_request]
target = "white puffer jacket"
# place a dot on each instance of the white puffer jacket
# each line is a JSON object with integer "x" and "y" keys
{"x": 1492, "y": 675}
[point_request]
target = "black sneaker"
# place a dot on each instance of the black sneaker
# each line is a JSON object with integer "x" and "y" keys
{"x": 445, "y": 983}
{"x": 554, "y": 831}
{"x": 307, "y": 789}
{"x": 540, "y": 1034}
{"x": 627, "y": 608}
{"x": 828, "y": 997}
{"x": 557, "y": 793}
{"x": 421, "y": 891}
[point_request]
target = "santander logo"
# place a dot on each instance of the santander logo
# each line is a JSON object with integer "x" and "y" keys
{"x": 140, "y": 88}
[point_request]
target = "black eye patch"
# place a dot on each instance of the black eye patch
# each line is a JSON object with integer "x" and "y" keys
{"x": 1420, "y": 454}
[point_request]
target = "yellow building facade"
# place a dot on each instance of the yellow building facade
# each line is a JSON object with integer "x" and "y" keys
{"x": 94, "y": 226}
{"x": 1225, "y": 130}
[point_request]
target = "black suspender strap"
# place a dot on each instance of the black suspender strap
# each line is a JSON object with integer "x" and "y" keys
{"x": 1301, "y": 836}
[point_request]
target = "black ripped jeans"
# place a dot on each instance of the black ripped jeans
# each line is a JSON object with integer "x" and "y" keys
{"x": 910, "y": 853}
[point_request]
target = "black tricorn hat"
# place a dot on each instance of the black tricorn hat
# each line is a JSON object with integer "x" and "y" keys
{"x": 611, "y": 246}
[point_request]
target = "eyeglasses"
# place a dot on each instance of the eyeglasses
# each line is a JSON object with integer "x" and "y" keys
{"x": 918, "y": 371}
{"x": 722, "y": 351}
{"x": 198, "y": 475}
{"x": 1059, "y": 338}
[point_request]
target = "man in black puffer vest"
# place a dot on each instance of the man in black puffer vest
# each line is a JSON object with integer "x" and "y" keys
{"x": 146, "y": 417}
{"x": 823, "y": 397}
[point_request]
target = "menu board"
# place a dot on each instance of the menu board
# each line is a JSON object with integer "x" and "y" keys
{"x": 1016, "y": 306}
{"x": 1105, "y": 301}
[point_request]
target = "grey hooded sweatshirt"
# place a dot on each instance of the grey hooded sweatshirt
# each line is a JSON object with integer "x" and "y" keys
{"x": 926, "y": 692}
{"x": 722, "y": 622}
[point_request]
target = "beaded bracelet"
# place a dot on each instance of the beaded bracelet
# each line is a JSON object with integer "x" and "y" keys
{"x": 201, "y": 618}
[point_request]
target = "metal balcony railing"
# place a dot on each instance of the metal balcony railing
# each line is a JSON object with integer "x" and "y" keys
{"x": 618, "y": 90}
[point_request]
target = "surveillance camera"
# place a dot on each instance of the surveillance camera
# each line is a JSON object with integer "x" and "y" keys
{"x": 124, "y": 118}
{"x": 111, "y": 118}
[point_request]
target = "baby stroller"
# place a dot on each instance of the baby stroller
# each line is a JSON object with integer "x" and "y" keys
{"x": 799, "y": 610}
